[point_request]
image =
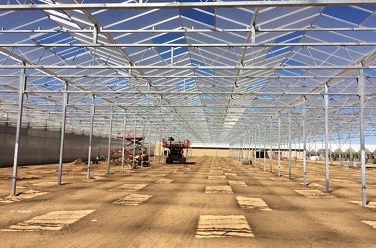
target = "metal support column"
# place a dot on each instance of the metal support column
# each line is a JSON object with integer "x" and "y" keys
{"x": 63, "y": 121}
{"x": 123, "y": 145}
{"x": 95, "y": 34}
{"x": 240, "y": 149}
{"x": 249, "y": 148}
{"x": 134, "y": 143}
{"x": 304, "y": 143}
{"x": 265, "y": 149}
{"x": 161, "y": 150}
{"x": 326, "y": 107}
{"x": 279, "y": 147}
{"x": 259, "y": 143}
{"x": 21, "y": 90}
{"x": 290, "y": 157}
{"x": 351, "y": 154}
{"x": 149, "y": 147}
{"x": 109, "y": 141}
{"x": 92, "y": 111}
{"x": 361, "y": 85}
{"x": 340, "y": 147}
{"x": 271, "y": 146}
{"x": 255, "y": 145}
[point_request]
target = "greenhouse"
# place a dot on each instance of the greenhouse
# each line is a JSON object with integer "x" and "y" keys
{"x": 259, "y": 79}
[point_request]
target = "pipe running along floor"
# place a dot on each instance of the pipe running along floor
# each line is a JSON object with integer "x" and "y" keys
{"x": 214, "y": 203}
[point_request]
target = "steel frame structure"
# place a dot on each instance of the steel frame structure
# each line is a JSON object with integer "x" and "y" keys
{"x": 212, "y": 69}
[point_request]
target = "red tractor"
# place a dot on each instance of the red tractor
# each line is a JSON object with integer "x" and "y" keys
{"x": 175, "y": 150}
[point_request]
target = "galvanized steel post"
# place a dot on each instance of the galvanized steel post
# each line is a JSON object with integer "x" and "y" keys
{"x": 255, "y": 145}
{"x": 134, "y": 143}
{"x": 123, "y": 145}
{"x": 92, "y": 111}
{"x": 271, "y": 147}
{"x": 21, "y": 89}
{"x": 304, "y": 142}
{"x": 160, "y": 150}
{"x": 264, "y": 167}
{"x": 326, "y": 107}
{"x": 249, "y": 148}
{"x": 65, "y": 103}
{"x": 290, "y": 157}
{"x": 109, "y": 141}
{"x": 361, "y": 85}
{"x": 259, "y": 143}
{"x": 279, "y": 146}
{"x": 149, "y": 147}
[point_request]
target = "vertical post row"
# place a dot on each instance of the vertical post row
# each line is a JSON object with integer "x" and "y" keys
{"x": 249, "y": 148}
{"x": 149, "y": 147}
{"x": 290, "y": 157}
{"x": 160, "y": 151}
{"x": 279, "y": 146}
{"x": 65, "y": 103}
{"x": 92, "y": 111}
{"x": 255, "y": 146}
{"x": 109, "y": 141}
{"x": 264, "y": 149}
{"x": 271, "y": 146}
{"x": 362, "y": 138}
{"x": 259, "y": 143}
{"x": 21, "y": 90}
{"x": 304, "y": 143}
{"x": 326, "y": 107}
{"x": 134, "y": 143}
{"x": 123, "y": 145}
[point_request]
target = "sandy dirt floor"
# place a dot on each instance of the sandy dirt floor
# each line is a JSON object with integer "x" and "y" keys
{"x": 215, "y": 203}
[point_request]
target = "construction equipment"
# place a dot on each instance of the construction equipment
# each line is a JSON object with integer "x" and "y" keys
{"x": 175, "y": 150}
{"x": 137, "y": 152}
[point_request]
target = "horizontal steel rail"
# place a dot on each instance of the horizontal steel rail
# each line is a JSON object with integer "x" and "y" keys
{"x": 178, "y": 5}
{"x": 193, "y": 93}
{"x": 191, "y": 45}
{"x": 61, "y": 74}
{"x": 191, "y": 67}
{"x": 188, "y": 30}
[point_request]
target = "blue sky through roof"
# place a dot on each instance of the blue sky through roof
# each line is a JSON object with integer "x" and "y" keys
{"x": 254, "y": 110}
{"x": 350, "y": 111}
{"x": 288, "y": 38}
{"x": 49, "y": 83}
{"x": 186, "y": 84}
{"x": 209, "y": 97}
{"x": 201, "y": 72}
{"x": 198, "y": 15}
{"x": 53, "y": 38}
{"x": 143, "y": 101}
{"x": 349, "y": 14}
{"x": 370, "y": 72}
{"x": 209, "y": 109}
{"x": 256, "y": 86}
{"x": 170, "y": 38}
{"x": 291, "y": 62}
{"x": 194, "y": 102}
{"x": 267, "y": 98}
{"x": 59, "y": 38}
{"x": 333, "y": 97}
{"x": 118, "y": 84}
{"x": 68, "y": 53}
